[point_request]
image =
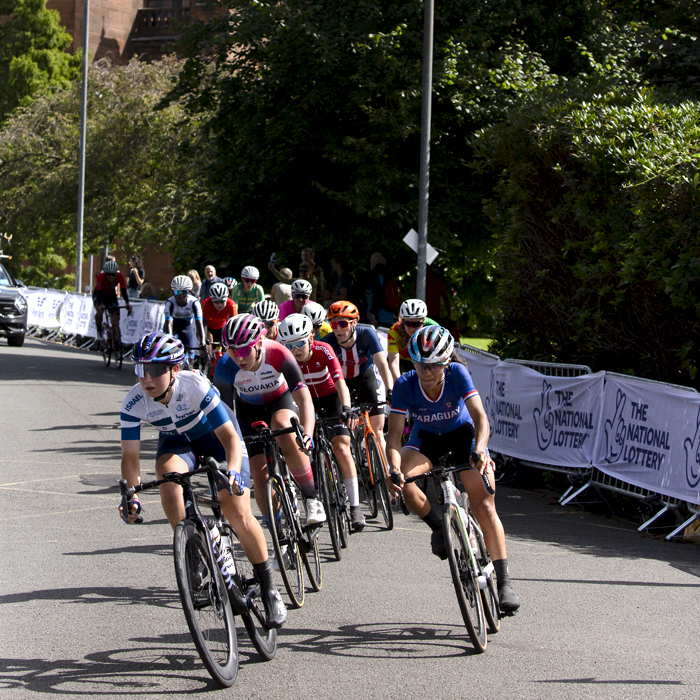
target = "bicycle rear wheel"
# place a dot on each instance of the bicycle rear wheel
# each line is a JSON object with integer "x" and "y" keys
{"x": 263, "y": 638}
{"x": 464, "y": 579}
{"x": 327, "y": 491}
{"x": 340, "y": 496}
{"x": 284, "y": 540}
{"x": 310, "y": 553}
{"x": 206, "y": 605}
{"x": 118, "y": 356}
{"x": 379, "y": 472}
{"x": 489, "y": 595}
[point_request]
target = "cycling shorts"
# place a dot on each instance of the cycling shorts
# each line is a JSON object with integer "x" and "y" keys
{"x": 185, "y": 331}
{"x": 330, "y": 407}
{"x": 434, "y": 446}
{"x": 111, "y": 301}
{"x": 249, "y": 413}
{"x": 365, "y": 389}
{"x": 215, "y": 335}
{"x": 208, "y": 445}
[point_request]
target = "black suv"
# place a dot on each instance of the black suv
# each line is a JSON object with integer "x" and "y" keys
{"x": 13, "y": 309}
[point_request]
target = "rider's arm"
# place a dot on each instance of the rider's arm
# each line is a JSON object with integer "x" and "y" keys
{"x": 131, "y": 467}
{"x": 307, "y": 414}
{"x": 232, "y": 445}
{"x": 394, "y": 366}
{"x": 481, "y": 425}
{"x": 343, "y": 392}
{"x": 383, "y": 367}
{"x": 393, "y": 440}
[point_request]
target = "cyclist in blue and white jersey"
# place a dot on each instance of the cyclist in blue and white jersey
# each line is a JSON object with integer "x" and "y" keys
{"x": 192, "y": 420}
{"x": 358, "y": 350}
{"x": 449, "y": 417}
{"x": 183, "y": 316}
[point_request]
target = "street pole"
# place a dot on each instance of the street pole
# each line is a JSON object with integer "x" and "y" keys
{"x": 423, "y": 189}
{"x": 81, "y": 165}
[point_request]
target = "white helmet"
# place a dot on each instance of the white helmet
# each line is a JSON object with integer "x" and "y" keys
{"x": 250, "y": 272}
{"x": 111, "y": 267}
{"x": 302, "y": 287}
{"x": 432, "y": 345}
{"x": 413, "y": 309}
{"x": 266, "y": 310}
{"x": 218, "y": 292}
{"x": 181, "y": 283}
{"x": 294, "y": 327}
{"x": 315, "y": 312}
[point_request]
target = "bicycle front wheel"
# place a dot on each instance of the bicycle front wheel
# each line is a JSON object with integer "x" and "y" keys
{"x": 340, "y": 496}
{"x": 489, "y": 595}
{"x": 326, "y": 489}
{"x": 206, "y": 605}
{"x": 106, "y": 355}
{"x": 284, "y": 540}
{"x": 118, "y": 356}
{"x": 376, "y": 463}
{"x": 263, "y": 638}
{"x": 464, "y": 579}
{"x": 310, "y": 553}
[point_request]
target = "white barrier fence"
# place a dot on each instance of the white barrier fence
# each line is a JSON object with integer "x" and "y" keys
{"x": 73, "y": 314}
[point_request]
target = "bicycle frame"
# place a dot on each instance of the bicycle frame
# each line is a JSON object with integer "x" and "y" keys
{"x": 367, "y": 430}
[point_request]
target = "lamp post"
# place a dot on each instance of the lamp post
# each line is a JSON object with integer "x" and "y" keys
{"x": 424, "y": 183}
{"x": 81, "y": 165}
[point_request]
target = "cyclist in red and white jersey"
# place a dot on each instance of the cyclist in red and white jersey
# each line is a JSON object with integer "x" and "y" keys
{"x": 329, "y": 392}
{"x": 104, "y": 295}
{"x": 217, "y": 309}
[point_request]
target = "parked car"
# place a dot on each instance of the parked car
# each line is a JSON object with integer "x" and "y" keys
{"x": 13, "y": 309}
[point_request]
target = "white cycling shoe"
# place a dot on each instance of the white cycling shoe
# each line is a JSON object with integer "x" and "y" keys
{"x": 315, "y": 514}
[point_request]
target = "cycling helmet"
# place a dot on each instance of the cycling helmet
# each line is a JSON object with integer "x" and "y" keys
{"x": 181, "y": 283}
{"x": 242, "y": 331}
{"x": 295, "y": 327}
{"x": 158, "y": 348}
{"x": 302, "y": 287}
{"x": 250, "y": 272}
{"x": 111, "y": 267}
{"x": 218, "y": 292}
{"x": 266, "y": 310}
{"x": 431, "y": 344}
{"x": 315, "y": 312}
{"x": 413, "y": 309}
{"x": 230, "y": 282}
{"x": 343, "y": 309}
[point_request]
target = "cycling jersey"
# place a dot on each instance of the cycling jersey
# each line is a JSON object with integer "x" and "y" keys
{"x": 396, "y": 342}
{"x": 359, "y": 358}
{"x": 324, "y": 330}
{"x": 194, "y": 410}
{"x": 444, "y": 414}
{"x": 191, "y": 311}
{"x": 287, "y": 308}
{"x": 247, "y": 300}
{"x": 214, "y": 318}
{"x": 277, "y": 374}
{"x": 322, "y": 370}
{"x": 109, "y": 286}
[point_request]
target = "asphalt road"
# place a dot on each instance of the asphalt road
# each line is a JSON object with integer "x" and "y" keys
{"x": 89, "y": 606}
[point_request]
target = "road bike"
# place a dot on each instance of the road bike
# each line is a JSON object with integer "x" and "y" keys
{"x": 214, "y": 352}
{"x": 214, "y": 578}
{"x": 293, "y": 543}
{"x": 470, "y": 564}
{"x": 330, "y": 485}
{"x": 371, "y": 465}
{"x": 111, "y": 342}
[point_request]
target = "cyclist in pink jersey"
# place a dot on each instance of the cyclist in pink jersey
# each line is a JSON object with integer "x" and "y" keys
{"x": 301, "y": 293}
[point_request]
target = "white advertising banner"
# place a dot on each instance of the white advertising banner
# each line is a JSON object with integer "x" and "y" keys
{"x": 650, "y": 437}
{"x": 70, "y": 313}
{"x": 32, "y": 296}
{"x": 46, "y": 306}
{"x": 86, "y": 318}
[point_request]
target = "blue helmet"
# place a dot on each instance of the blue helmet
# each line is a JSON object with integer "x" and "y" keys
{"x": 158, "y": 348}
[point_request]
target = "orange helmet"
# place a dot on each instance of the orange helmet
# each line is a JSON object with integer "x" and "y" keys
{"x": 343, "y": 309}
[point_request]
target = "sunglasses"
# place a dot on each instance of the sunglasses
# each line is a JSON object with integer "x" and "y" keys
{"x": 242, "y": 353}
{"x": 248, "y": 279}
{"x": 154, "y": 371}
{"x": 300, "y": 296}
{"x": 270, "y": 324}
{"x": 429, "y": 366}
{"x": 413, "y": 324}
{"x": 342, "y": 323}
{"x": 179, "y": 292}
{"x": 111, "y": 274}
{"x": 296, "y": 344}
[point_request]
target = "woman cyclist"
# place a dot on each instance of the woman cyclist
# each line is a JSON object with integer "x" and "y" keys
{"x": 248, "y": 293}
{"x": 268, "y": 312}
{"x": 330, "y": 395}
{"x": 104, "y": 296}
{"x": 192, "y": 421}
{"x": 268, "y": 386}
{"x": 217, "y": 309}
{"x": 183, "y": 316}
{"x": 358, "y": 350}
{"x": 449, "y": 417}
{"x": 317, "y": 314}
{"x": 413, "y": 315}
{"x": 301, "y": 293}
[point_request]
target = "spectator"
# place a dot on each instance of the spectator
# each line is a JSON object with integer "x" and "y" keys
{"x": 345, "y": 287}
{"x": 148, "y": 291}
{"x": 307, "y": 256}
{"x": 136, "y": 277}
{"x": 210, "y": 278}
{"x": 281, "y": 291}
{"x": 305, "y": 274}
{"x": 196, "y": 282}
{"x": 378, "y": 299}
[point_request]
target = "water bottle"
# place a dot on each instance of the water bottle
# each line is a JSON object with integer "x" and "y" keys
{"x": 227, "y": 554}
{"x": 215, "y": 537}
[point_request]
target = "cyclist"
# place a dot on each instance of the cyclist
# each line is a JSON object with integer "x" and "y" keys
{"x": 248, "y": 293}
{"x": 104, "y": 296}
{"x": 268, "y": 386}
{"x": 330, "y": 396}
{"x": 449, "y": 417}
{"x": 269, "y": 312}
{"x": 413, "y": 315}
{"x": 359, "y": 350}
{"x": 192, "y": 421}
{"x": 301, "y": 293}
{"x": 317, "y": 314}
{"x": 183, "y": 316}
{"x": 231, "y": 283}
{"x": 217, "y": 309}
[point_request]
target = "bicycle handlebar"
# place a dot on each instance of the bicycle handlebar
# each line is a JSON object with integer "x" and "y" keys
{"x": 266, "y": 434}
{"x": 362, "y": 407}
{"x": 443, "y": 470}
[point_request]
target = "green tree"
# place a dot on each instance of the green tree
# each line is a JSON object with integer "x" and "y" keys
{"x": 32, "y": 53}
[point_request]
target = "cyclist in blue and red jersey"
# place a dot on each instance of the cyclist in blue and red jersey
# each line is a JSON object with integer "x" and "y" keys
{"x": 330, "y": 395}
{"x": 104, "y": 296}
{"x": 192, "y": 421}
{"x": 449, "y": 417}
{"x": 267, "y": 385}
{"x": 359, "y": 350}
